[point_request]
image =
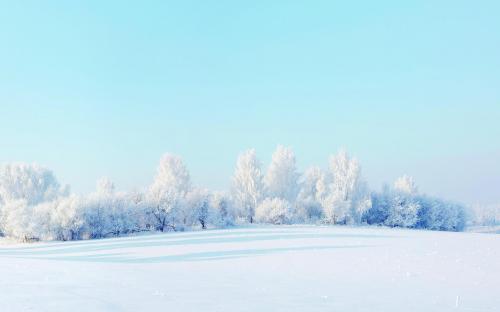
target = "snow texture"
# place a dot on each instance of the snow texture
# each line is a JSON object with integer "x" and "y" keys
{"x": 260, "y": 268}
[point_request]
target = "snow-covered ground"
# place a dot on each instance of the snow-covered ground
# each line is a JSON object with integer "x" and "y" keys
{"x": 285, "y": 268}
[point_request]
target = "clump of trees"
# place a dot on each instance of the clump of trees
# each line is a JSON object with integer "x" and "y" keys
{"x": 403, "y": 206}
{"x": 485, "y": 215}
{"x": 34, "y": 206}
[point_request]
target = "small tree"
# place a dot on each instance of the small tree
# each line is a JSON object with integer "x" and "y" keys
{"x": 274, "y": 211}
{"x": 199, "y": 206}
{"x": 223, "y": 211}
{"x": 403, "y": 212}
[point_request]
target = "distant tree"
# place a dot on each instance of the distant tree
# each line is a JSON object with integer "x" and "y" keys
{"x": 166, "y": 194}
{"x": 247, "y": 186}
{"x": 105, "y": 186}
{"x": 198, "y": 202}
{"x": 34, "y": 206}
{"x": 281, "y": 180}
{"x": 486, "y": 215}
{"x": 68, "y": 218}
{"x": 22, "y": 187}
{"x": 308, "y": 206}
{"x": 436, "y": 214}
{"x": 17, "y": 220}
{"x": 309, "y": 183}
{"x": 343, "y": 193}
{"x": 274, "y": 211}
{"x": 223, "y": 211}
{"x": 405, "y": 185}
{"x": 96, "y": 206}
{"x": 403, "y": 211}
{"x": 380, "y": 207}
{"x": 29, "y": 182}
{"x": 404, "y": 207}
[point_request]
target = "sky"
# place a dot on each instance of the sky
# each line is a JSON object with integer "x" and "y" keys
{"x": 104, "y": 88}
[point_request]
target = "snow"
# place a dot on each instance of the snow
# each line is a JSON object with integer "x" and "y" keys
{"x": 266, "y": 268}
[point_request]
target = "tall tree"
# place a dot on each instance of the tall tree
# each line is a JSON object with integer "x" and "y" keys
{"x": 281, "y": 180}
{"x": 406, "y": 185}
{"x": 308, "y": 201}
{"x": 344, "y": 193}
{"x": 29, "y": 182}
{"x": 22, "y": 187}
{"x": 171, "y": 184}
{"x": 247, "y": 184}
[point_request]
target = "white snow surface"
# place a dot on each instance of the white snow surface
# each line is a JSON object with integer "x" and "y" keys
{"x": 275, "y": 268}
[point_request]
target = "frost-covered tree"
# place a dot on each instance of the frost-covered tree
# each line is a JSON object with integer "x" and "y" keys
{"x": 110, "y": 213}
{"x": 488, "y": 215}
{"x": 22, "y": 187}
{"x": 223, "y": 210}
{"x": 274, "y": 211}
{"x": 436, "y": 214}
{"x": 308, "y": 206}
{"x": 33, "y": 206}
{"x": 169, "y": 189}
{"x": 281, "y": 179}
{"x": 105, "y": 186}
{"x": 406, "y": 185}
{"x": 113, "y": 213}
{"x": 247, "y": 186}
{"x": 403, "y": 211}
{"x": 404, "y": 206}
{"x": 68, "y": 219}
{"x": 380, "y": 206}
{"x": 343, "y": 193}
{"x": 96, "y": 206}
{"x": 17, "y": 220}
{"x": 198, "y": 203}
{"x": 29, "y": 182}
{"x": 395, "y": 206}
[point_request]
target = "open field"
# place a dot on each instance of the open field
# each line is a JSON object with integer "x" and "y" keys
{"x": 282, "y": 268}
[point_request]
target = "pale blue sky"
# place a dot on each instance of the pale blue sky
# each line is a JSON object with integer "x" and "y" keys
{"x": 93, "y": 88}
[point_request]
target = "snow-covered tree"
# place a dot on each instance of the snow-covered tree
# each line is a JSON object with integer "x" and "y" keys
{"x": 406, "y": 185}
{"x": 395, "y": 206}
{"x": 105, "y": 186}
{"x": 343, "y": 193}
{"x": 223, "y": 210}
{"x": 33, "y": 206}
{"x": 247, "y": 184}
{"x": 68, "y": 219}
{"x": 198, "y": 203}
{"x": 29, "y": 182}
{"x": 308, "y": 206}
{"x": 281, "y": 180}
{"x": 17, "y": 220}
{"x": 436, "y": 214}
{"x": 380, "y": 206}
{"x": 22, "y": 187}
{"x": 402, "y": 206}
{"x": 403, "y": 211}
{"x": 95, "y": 207}
{"x": 309, "y": 184}
{"x": 169, "y": 189}
{"x": 273, "y": 210}
{"x": 488, "y": 215}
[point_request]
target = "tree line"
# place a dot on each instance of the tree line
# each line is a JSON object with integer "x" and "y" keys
{"x": 34, "y": 206}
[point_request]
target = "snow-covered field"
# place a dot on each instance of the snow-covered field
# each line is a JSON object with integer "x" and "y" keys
{"x": 283, "y": 268}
